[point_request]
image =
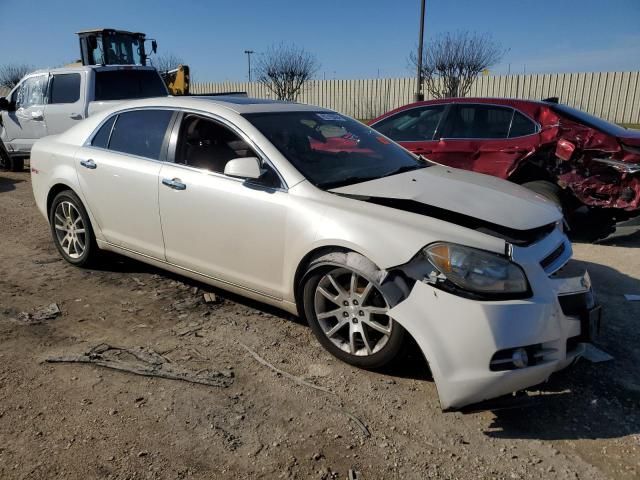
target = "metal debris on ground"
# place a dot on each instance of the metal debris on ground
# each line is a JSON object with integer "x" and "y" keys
{"x": 146, "y": 362}
{"x": 595, "y": 355}
{"x": 210, "y": 298}
{"x": 49, "y": 312}
{"x": 632, "y": 297}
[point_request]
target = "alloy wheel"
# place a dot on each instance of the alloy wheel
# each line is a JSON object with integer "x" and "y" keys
{"x": 70, "y": 229}
{"x": 352, "y": 312}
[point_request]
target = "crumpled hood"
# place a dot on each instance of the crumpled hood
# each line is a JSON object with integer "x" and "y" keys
{"x": 475, "y": 195}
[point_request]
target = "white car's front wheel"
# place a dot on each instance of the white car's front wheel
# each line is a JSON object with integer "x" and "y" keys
{"x": 349, "y": 315}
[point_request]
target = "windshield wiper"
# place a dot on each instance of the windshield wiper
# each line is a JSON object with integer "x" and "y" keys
{"x": 406, "y": 168}
{"x": 344, "y": 182}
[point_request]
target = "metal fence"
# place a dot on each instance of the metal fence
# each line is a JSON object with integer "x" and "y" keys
{"x": 614, "y": 96}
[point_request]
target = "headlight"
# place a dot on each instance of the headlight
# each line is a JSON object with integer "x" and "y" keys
{"x": 476, "y": 270}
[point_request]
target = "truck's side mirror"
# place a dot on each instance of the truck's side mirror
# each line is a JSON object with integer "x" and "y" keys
{"x": 154, "y": 46}
{"x": 6, "y": 104}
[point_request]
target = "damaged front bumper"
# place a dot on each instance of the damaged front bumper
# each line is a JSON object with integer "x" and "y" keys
{"x": 478, "y": 350}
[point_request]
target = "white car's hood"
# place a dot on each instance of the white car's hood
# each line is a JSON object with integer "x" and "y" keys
{"x": 471, "y": 194}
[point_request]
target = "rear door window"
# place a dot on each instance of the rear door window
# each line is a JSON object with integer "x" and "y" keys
{"x": 478, "y": 121}
{"x": 522, "y": 126}
{"x": 413, "y": 125}
{"x": 65, "y": 88}
{"x": 140, "y": 132}
{"x": 101, "y": 138}
{"x": 128, "y": 84}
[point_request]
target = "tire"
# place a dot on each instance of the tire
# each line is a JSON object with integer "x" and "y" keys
{"x": 16, "y": 164}
{"x": 5, "y": 159}
{"x": 548, "y": 190}
{"x": 344, "y": 325}
{"x": 71, "y": 230}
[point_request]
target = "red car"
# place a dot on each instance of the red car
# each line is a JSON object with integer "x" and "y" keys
{"x": 567, "y": 155}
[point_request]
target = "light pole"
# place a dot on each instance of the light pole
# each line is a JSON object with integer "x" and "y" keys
{"x": 419, "y": 96}
{"x": 249, "y": 52}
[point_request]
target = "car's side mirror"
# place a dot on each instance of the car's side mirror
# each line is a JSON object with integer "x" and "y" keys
{"x": 245, "y": 167}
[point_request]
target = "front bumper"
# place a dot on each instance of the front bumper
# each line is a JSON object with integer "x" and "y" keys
{"x": 459, "y": 337}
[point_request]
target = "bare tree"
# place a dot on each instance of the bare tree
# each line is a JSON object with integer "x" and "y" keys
{"x": 11, "y": 74}
{"x": 284, "y": 69}
{"x": 167, "y": 61}
{"x": 451, "y": 62}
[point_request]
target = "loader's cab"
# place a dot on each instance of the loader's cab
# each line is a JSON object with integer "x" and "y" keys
{"x": 113, "y": 47}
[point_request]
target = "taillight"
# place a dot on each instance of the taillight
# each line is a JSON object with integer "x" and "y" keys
{"x": 564, "y": 149}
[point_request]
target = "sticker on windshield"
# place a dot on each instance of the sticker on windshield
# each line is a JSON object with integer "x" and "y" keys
{"x": 331, "y": 117}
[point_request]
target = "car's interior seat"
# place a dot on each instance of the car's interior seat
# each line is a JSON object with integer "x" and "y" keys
{"x": 206, "y": 145}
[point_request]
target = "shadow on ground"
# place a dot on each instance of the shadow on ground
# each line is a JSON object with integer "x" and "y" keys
{"x": 8, "y": 184}
{"x": 587, "y": 400}
{"x": 582, "y": 401}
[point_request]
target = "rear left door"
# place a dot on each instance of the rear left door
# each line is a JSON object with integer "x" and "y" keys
{"x": 118, "y": 174}
{"x": 65, "y": 106}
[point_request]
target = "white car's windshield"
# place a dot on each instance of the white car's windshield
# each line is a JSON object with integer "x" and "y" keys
{"x": 332, "y": 150}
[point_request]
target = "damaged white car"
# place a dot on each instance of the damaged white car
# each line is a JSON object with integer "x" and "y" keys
{"x": 315, "y": 213}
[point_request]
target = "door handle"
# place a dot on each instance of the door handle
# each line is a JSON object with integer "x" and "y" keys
{"x": 174, "y": 183}
{"x": 75, "y": 116}
{"x": 36, "y": 115}
{"x": 89, "y": 164}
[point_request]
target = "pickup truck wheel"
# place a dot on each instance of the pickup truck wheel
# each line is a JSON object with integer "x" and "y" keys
{"x": 16, "y": 164}
{"x": 5, "y": 159}
{"x": 548, "y": 190}
{"x": 347, "y": 313}
{"x": 71, "y": 229}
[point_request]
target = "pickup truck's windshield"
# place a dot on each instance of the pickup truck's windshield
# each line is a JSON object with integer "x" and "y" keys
{"x": 331, "y": 150}
{"x": 128, "y": 84}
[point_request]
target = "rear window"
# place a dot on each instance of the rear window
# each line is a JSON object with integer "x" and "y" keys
{"x": 128, "y": 84}
{"x": 140, "y": 132}
{"x": 65, "y": 88}
{"x": 589, "y": 120}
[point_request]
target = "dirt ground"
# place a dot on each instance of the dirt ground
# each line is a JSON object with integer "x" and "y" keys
{"x": 84, "y": 421}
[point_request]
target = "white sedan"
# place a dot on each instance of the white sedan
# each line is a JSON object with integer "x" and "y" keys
{"x": 313, "y": 212}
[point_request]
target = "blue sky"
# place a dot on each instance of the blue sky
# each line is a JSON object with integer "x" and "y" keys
{"x": 351, "y": 38}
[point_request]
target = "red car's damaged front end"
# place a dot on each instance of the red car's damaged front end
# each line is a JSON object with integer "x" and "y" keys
{"x": 587, "y": 160}
{"x": 598, "y": 161}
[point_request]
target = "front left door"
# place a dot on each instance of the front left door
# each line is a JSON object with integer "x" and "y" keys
{"x": 226, "y": 228}
{"x": 118, "y": 174}
{"x": 416, "y": 129}
{"x": 26, "y": 124}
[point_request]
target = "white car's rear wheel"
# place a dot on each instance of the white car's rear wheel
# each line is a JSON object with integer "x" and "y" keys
{"x": 71, "y": 229}
{"x": 349, "y": 315}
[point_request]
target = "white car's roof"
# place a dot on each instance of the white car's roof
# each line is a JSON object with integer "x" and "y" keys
{"x": 236, "y": 104}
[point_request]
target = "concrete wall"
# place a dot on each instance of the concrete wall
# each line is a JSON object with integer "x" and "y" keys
{"x": 614, "y": 96}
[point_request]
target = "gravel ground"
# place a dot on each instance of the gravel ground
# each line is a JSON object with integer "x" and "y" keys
{"x": 85, "y": 421}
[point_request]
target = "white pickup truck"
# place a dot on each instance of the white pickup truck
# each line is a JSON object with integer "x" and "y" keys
{"x": 48, "y": 102}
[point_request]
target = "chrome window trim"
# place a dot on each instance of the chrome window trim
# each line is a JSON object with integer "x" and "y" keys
{"x": 509, "y": 107}
{"x": 435, "y": 130}
{"x": 87, "y": 144}
{"x": 435, "y": 139}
